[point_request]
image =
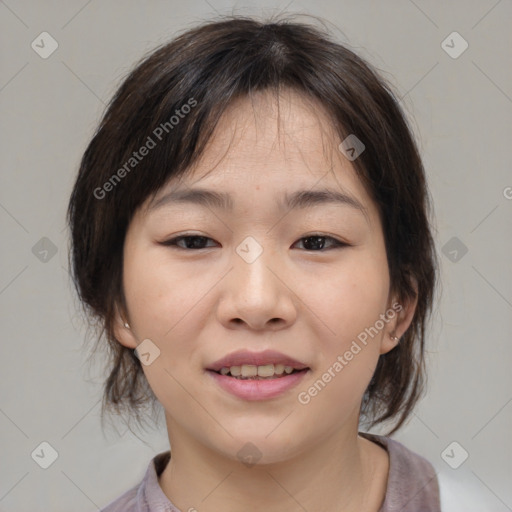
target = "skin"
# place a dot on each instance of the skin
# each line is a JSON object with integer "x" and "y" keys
{"x": 198, "y": 305}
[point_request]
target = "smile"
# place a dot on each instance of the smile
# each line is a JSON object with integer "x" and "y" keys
{"x": 250, "y": 371}
{"x": 254, "y": 386}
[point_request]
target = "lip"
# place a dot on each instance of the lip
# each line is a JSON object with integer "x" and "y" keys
{"x": 258, "y": 389}
{"x": 241, "y": 357}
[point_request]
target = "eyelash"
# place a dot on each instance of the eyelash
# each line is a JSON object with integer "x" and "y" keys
{"x": 172, "y": 242}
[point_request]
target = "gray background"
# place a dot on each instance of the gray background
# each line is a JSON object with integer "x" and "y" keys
{"x": 461, "y": 112}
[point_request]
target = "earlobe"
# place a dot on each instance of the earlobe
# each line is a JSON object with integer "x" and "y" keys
{"x": 397, "y": 328}
{"x": 123, "y": 332}
{"x": 388, "y": 343}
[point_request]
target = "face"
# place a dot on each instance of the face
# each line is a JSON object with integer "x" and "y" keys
{"x": 308, "y": 279}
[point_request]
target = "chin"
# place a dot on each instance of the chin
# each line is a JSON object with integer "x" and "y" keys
{"x": 259, "y": 448}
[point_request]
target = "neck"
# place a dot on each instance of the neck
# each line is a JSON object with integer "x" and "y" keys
{"x": 342, "y": 472}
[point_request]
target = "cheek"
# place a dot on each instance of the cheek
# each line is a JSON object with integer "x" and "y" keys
{"x": 162, "y": 300}
{"x": 350, "y": 304}
{"x": 160, "y": 295}
{"x": 351, "y": 298}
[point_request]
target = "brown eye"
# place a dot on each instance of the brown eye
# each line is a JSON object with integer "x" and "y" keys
{"x": 191, "y": 242}
{"x": 317, "y": 242}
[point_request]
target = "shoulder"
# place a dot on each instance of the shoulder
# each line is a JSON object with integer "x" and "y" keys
{"x": 447, "y": 490}
{"x": 127, "y": 502}
{"x": 412, "y": 480}
{"x": 147, "y": 496}
{"x": 405, "y": 461}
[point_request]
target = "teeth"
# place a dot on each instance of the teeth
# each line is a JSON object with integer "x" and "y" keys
{"x": 235, "y": 371}
{"x": 250, "y": 370}
{"x": 265, "y": 371}
{"x": 278, "y": 369}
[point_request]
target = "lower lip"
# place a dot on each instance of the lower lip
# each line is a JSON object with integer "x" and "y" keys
{"x": 258, "y": 389}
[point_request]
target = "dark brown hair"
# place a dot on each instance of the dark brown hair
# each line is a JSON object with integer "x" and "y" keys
{"x": 206, "y": 68}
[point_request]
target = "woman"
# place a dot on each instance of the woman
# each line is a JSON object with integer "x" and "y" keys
{"x": 250, "y": 228}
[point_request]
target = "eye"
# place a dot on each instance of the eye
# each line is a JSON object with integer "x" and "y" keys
{"x": 313, "y": 243}
{"x": 191, "y": 241}
{"x": 318, "y": 242}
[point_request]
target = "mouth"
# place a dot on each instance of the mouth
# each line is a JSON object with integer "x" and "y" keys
{"x": 246, "y": 364}
{"x": 255, "y": 387}
{"x": 257, "y": 375}
{"x": 261, "y": 372}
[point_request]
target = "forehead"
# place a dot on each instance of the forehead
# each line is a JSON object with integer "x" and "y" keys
{"x": 264, "y": 129}
{"x": 277, "y": 146}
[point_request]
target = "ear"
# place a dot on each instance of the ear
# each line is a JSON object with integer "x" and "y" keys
{"x": 123, "y": 332}
{"x": 402, "y": 318}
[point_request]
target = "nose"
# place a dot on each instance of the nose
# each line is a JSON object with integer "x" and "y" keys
{"x": 257, "y": 293}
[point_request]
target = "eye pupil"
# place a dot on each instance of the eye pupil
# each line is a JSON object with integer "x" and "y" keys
{"x": 314, "y": 240}
{"x": 195, "y": 241}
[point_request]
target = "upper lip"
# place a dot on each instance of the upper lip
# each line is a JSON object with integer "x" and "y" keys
{"x": 241, "y": 357}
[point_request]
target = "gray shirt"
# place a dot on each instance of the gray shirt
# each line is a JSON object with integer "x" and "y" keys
{"x": 412, "y": 484}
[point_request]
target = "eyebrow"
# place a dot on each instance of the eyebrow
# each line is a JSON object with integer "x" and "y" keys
{"x": 300, "y": 199}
